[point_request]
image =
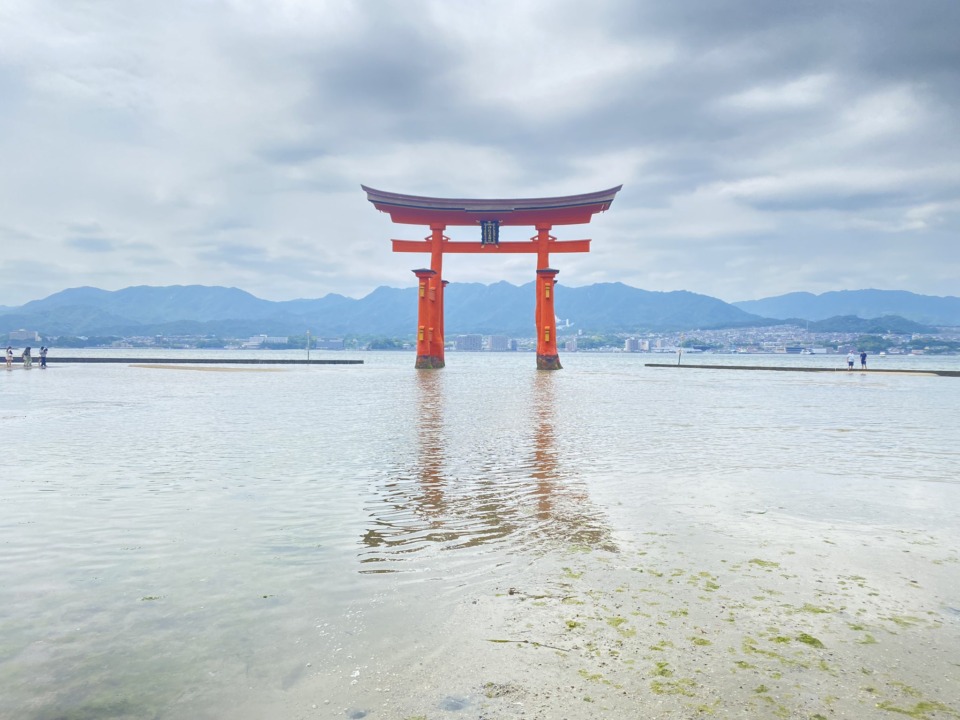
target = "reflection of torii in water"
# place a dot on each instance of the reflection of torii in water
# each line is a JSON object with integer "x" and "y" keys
{"x": 439, "y": 509}
{"x": 445, "y": 500}
{"x": 430, "y": 431}
{"x": 564, "y": 513}
{"x": 405, "y": 524}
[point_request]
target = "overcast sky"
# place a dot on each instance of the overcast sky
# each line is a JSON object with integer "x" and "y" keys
{"x": 764, "y": 147}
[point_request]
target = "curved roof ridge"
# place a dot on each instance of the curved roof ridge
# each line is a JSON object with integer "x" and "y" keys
{"x": 423, "y": 210}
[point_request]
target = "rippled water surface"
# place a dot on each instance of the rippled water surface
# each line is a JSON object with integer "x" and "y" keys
{"x": 177, "y": 541}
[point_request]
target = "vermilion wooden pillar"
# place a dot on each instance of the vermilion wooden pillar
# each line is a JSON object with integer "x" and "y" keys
{"x": 426, "y": 319}
{"x": 437, "y": 284}
{"x": 547, "y": 356}
{"x": 442, "y": 335}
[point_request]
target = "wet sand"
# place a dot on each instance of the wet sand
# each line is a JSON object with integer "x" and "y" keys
{"x": 206, "y": 369}
{"x": 857, "y": 622}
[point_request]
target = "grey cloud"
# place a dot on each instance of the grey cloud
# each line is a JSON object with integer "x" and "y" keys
{"x": 84, "y": 227}
{"x": 304, "y": 267}
{"x": 92, "y": 244}
{"x": 233, "y": 254}
{"x": 385, "y": 80}
{"x": 831, "y": 201}
{"x": 293, "y": 152}
{"x": 16, "y": 235}
{"x": 25, "y": 280}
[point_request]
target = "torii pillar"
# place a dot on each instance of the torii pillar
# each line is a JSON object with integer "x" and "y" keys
{"x": 428, "y": 317}
{"x": 547, "y": 356}
{"x": 440, "y": 213}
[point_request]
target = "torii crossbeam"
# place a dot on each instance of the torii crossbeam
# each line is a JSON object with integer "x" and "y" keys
{"x": 488, "y": 215}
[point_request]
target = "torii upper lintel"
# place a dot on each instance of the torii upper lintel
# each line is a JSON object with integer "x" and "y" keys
{"x": 420, "y": 210}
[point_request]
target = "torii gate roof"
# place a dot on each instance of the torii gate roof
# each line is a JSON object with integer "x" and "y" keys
{"x": 418, "y": 210}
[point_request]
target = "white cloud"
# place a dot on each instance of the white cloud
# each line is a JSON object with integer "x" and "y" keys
{"x": 804, "y": 92}
{"x": 882, "y": 116}
{"x": 535, "y": 62}
{"x": 915, "y": 218}
{"x": 837, "y": 182}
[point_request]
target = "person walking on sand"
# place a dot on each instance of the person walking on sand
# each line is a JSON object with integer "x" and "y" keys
{"x": 27, "y": 360}
{"x": 9, "y": 357}
{"x": 863, "y": 360}
{"x": 43, "y": 358}
{"x": 850, "y": 358}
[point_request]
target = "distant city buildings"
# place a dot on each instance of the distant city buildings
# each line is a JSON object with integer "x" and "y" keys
{"x": 776, "y": 339}
{"x": 468, "y": 343}
{"x": 488, "y": 343}
{"x": 499, "y": 343}
{"x": 633, "y": 344}
{"x": 261, "y": 340}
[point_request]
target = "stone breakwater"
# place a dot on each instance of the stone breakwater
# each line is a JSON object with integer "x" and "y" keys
{"x": 941, "y": 373}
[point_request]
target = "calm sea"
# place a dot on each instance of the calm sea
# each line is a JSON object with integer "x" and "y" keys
{"x": 183, "y": 543}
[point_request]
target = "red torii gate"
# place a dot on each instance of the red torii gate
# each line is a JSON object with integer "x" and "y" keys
{"x": 489, "y": 215}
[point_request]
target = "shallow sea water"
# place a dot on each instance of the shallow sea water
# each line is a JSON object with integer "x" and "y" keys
{"x": 179, "y": 543}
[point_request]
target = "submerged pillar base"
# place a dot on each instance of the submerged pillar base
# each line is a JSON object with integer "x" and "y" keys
{"x": 548, "y": 362}
{"x": 429, "y": 362}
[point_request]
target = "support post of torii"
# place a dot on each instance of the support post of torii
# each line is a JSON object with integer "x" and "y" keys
{"x": 547, "y": 356}
{"x": 489, "y": 216}
{"x": 427, "y": 316}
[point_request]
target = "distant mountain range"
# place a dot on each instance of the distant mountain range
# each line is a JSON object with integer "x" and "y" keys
{"x": 866, "y": 304}
{"x": 500, "y": 308}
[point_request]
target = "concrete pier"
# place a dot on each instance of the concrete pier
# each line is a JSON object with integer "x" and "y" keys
{"x": 885, "y": 371}
{"x": 57, "y": 360}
